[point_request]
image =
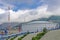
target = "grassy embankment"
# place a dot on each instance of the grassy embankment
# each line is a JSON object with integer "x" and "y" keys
{"x": 40, "y": 35}
{"x": 20, "y": 38}
{"x": 13, "y": 38}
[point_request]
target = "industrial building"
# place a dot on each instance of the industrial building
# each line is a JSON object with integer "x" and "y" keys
{"x": 38, "y": 26}
{"x": 33, "y": 26}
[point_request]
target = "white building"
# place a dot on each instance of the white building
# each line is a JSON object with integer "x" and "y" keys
{"x": 38, "y": 25}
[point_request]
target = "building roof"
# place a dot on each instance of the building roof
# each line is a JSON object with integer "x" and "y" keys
{"x": 38, "y": 22}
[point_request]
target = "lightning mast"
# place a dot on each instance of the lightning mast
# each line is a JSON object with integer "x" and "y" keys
{"x": 8, "y": 14}
{"x": 9, "y": 27}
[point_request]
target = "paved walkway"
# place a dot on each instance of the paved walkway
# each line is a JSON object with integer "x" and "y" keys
{"x": 52, "y": 35}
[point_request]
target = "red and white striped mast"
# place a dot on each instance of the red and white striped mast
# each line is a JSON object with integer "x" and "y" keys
{"x": 9, "y": 26}
{"x": 8, "y": 14}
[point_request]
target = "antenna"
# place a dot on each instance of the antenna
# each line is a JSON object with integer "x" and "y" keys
{"x": 8, "y": 15}
{"x": 9, "y": 19}
{"x": 8, "y": 28}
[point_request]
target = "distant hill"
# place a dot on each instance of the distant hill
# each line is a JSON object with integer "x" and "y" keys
{"x": 56, "y": 18}
{"x": 12, "y": 24}
{"x": 15, "y": 24}
{"x": 43, "y": 19}
{"x": 51, "y": 18}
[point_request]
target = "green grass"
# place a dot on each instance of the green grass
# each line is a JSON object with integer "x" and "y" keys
{"x": 20, "y": 38}
{"x": 40, "y": 35}
{"x": 13, "y": 38}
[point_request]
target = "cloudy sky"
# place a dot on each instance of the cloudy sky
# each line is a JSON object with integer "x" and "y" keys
{"x": 27, "y": 10}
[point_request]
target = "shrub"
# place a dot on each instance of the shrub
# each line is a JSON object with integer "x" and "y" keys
{"x": 12, "y": 39}
{"x": 19, "y": 38}
{"x": 34, "y": 38}
{"x": 38, "y": 36}
{"x": 7, "y": 39}
{"x": 45, "y": 30}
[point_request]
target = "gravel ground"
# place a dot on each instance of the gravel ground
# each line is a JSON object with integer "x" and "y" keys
{"x": 52, "y": 35}
{"x": 29, "y": 37}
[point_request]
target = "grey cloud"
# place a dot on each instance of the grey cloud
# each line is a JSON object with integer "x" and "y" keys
{"x": 5, "y": 5}
{"x": 52, "y": 4}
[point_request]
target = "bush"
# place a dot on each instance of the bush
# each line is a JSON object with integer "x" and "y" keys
{"x": 23, "y": 36}
{"x": 45, "y": 30}
{"x": 12, "y": 39}
{"x": 34, "y": 38}
{"x": 38, "y": 36}
{"x": 19, "y": 38}
{"x": 7, "y": 39}
{"x": 28, "y": 32}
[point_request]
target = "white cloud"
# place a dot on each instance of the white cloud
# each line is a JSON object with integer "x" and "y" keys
{"x": 30, "y": 14}
{"x": 27, "y": 15}
{"x": 52, "y": 4}
{"x": 2, "y": 11}
{"x": 57, "y": 11}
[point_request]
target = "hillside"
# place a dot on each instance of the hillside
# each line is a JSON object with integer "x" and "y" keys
{"x": 52, "y": 35}
{"x": 56, "y": 18}
{"x": 12, "y": 24}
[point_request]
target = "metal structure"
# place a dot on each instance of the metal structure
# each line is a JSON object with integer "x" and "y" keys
{"x": 9, "y": 27}
{"x": 19, "y": 29}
